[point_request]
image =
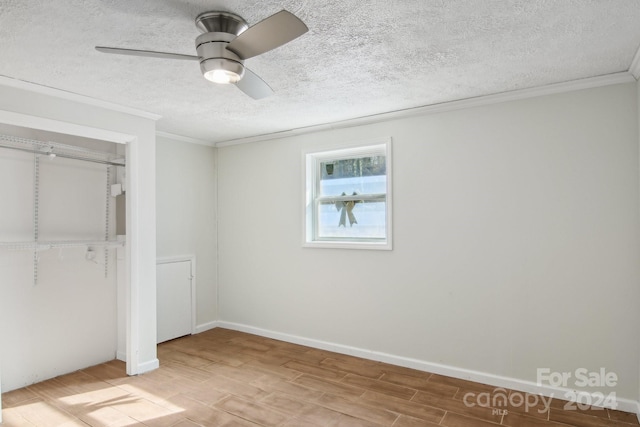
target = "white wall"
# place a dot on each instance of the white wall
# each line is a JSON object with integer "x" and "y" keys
{"x": 186, "y": 215}
{"x": 46, "y": 109}
{"x": 516, "y": 241}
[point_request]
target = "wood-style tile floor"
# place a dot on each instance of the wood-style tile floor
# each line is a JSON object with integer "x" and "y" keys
{"x": 228, "y": 378}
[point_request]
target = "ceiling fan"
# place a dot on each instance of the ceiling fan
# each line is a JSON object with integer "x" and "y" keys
{"x": 226, "y": 42}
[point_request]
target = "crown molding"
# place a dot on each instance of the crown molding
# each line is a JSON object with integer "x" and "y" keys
{"x": 50, "y": 125}
{"x": 634, "y": 68}
{"x": 587, "y": 83}
{"x": 187, "y": 139}
{"x": 71, "y": 96}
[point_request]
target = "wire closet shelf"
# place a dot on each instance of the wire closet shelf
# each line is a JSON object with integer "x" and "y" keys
{"x": 56, "y": 149}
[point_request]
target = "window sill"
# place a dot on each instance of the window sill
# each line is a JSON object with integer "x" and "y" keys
{"x": 382, "y": 246}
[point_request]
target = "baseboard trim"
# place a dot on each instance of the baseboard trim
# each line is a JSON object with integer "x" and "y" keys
{"x": 148, "y": 366}
{"x": 626, "y": 405}
{"x": 206, "y": 326}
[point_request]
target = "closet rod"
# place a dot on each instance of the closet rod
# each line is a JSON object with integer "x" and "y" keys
{"x": 65, "y": 156}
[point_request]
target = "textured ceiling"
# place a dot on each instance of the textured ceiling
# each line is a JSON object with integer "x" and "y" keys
{"x": 359, "y": 57}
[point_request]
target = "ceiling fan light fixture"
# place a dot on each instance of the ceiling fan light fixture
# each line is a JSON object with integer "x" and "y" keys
{"x": 222, "y": 70}
{"x": 222, "y": 76}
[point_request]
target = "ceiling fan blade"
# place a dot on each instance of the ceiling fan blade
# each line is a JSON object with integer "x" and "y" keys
{"x": 253, "y": 85}
{"x": 268, "y": 34}
{"x": 148, "y": 53}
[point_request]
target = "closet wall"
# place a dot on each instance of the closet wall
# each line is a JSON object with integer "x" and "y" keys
{"x": 67, "y": 320}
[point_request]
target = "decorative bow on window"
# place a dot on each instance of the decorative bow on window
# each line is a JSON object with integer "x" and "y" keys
{"x": 346, "y": 209}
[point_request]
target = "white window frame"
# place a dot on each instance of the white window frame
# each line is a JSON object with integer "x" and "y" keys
{"x": 312, "y": 160}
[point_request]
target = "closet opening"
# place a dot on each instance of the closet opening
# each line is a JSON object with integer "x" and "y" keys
{"x": 63, "y": 257}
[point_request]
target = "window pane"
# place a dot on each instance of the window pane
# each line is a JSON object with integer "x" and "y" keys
{"x": 368, "y": 219}
{"x": 358, "y": 219}
{"x": 362, "y": 175}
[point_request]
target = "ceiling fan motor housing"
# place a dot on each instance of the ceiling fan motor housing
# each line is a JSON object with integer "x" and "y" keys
{"x": 221, "y": 22}
{"x": 212, "y": 50}
{"x": 219, "y": 28}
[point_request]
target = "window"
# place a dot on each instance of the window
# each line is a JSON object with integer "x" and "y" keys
{"x": 348, "y": 197}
